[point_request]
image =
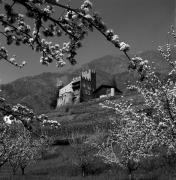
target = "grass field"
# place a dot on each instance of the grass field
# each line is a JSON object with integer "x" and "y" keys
{"x": 58, "y": 164}
{"x": 85, "y": 117}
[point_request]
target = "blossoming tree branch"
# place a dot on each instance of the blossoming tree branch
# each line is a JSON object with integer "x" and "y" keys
{"x": 148, "y": 131}
{"x": 75, "y": 24}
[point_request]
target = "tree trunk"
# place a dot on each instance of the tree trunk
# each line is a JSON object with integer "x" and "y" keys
{"x": 132, "y": 166}
{"x": 131, "y": 175}
{"x": 14, "y": 171}
{"x": 83, "y": 169}
{"x": 22, "y": 170}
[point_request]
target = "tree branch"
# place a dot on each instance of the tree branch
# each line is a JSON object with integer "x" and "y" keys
{"x": 42, "y": 14}
{"x": 53, "y": 2}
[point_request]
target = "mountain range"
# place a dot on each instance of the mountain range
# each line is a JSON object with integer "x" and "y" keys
{"x": 38, "y": 91}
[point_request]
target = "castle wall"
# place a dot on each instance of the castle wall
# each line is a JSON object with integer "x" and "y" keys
{"x": 66, "y": 89}
{"x": 106, "y": 91}
{"x": 66, "y": 98}
{"x": 112, "y": 92}
{"x": 65, "y": 95}
{"x": 76, "y": 96}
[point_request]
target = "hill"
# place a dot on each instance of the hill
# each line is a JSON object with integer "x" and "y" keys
{"x": 37, "y": 91}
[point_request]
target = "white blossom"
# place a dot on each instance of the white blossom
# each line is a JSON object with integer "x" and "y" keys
{"x": 115, "y": 38}
{"x": 7, "y": 29}
{"x": 124, "y": 47}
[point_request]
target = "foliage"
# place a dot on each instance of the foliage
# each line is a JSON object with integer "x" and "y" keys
{"x": 144, "y": 132}
{"x": 24, "y": 151}
{"x": 6, "y": 148}
{"x": 19, "y": 147}
{"x": 73, "y": 23}
{"x": 19, "y": 142}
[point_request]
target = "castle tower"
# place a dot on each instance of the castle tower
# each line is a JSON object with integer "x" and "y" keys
{"x": 88, "y": 85}
{"x": 59, "y": 85}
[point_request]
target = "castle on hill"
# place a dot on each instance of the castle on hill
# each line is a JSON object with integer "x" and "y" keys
{"x": 82, "y": 89}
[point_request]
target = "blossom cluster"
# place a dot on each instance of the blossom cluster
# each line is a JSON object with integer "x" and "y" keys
{"x": 17, "y": 145}
{"x": 166, "y": 55}
{"x": 75, "y": 24}
{"x": 12, "y": 60}
{"x": 48, "y": 122}
{"x": 142, "y": 131}
{"x": 19, "y": 148}
{"x": 19, "y": 114}
{"x": 124, "y": 47}
{"x": 10, "y": 120}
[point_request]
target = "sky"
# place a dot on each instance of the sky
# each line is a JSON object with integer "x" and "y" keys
{"x": 143, "y": 24}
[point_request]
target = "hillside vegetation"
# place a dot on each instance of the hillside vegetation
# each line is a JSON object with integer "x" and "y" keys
{"x": 37, "y": 91}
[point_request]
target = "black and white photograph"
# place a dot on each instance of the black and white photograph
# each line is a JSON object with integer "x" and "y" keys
{"x": 87, "y": 89}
